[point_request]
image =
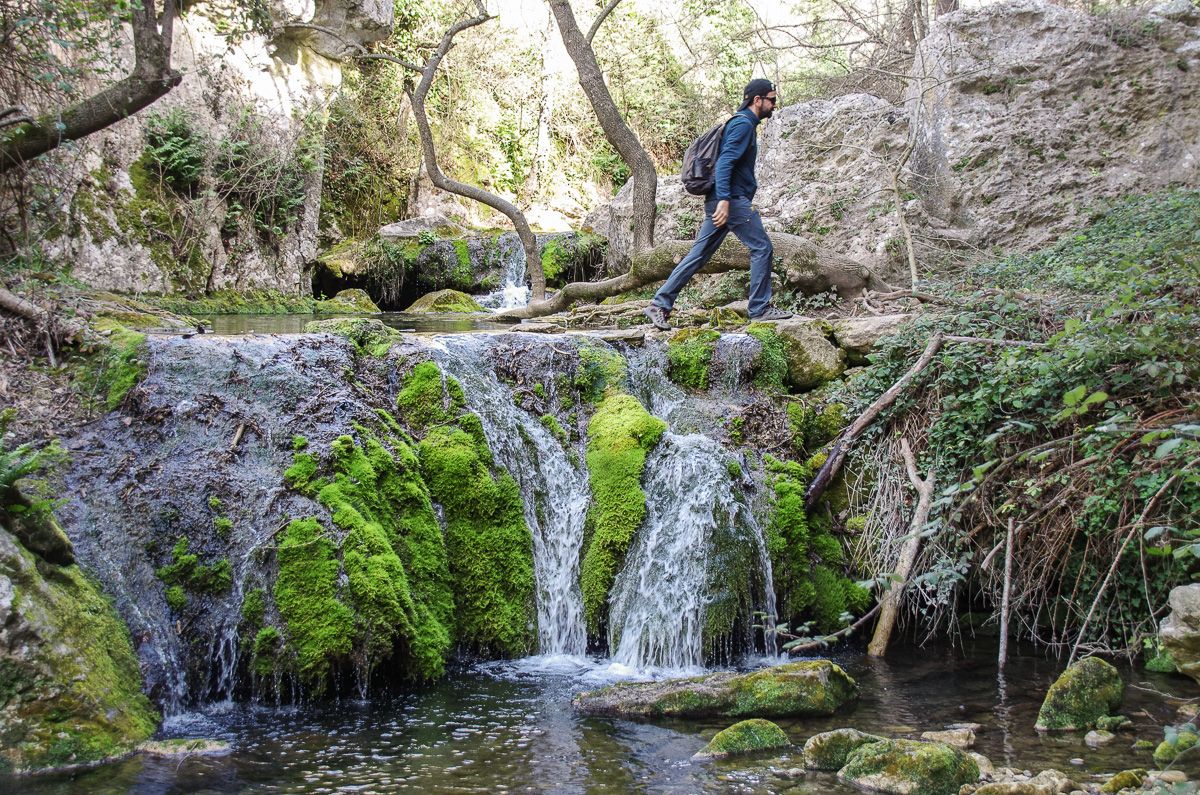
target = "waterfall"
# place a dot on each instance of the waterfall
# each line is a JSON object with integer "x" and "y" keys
{"x": 513, "y": 291}
{"x": 554, "y": 490}
{"x": 657, "y": 615}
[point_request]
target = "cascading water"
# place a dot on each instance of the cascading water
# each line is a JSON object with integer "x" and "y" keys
{"x": 555, "y": 491}
{"x": 657, "y": 615}
{"x": 513, "y": 291}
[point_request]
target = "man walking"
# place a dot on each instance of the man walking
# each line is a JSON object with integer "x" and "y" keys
{"x": 727, "y": 208}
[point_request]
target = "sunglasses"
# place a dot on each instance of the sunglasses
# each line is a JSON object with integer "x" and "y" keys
{"x": 772, "y": 100}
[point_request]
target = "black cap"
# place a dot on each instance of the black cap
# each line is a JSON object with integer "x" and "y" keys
{"x": 759, "y": 87}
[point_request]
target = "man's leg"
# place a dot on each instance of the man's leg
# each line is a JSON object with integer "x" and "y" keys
{"x": 707, "y": 242}
{"x": 747, "y": 225}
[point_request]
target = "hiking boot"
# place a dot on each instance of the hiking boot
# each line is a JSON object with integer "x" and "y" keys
{"x": 772, "y": 312}
{"x": 658, "y": 316}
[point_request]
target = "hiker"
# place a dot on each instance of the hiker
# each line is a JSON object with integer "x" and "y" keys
{"x": 727, "y": 208}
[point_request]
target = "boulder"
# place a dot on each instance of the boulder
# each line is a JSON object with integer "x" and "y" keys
{"x": 802, "y": 689}
{"x": 1087, "y": 691}
{"x": 1179, "y": 633}
{"x": 445, "y": 302}
{"x": 347, "y": 302}
{"x": 811, "y": 358}
{"x": 1176, "y": 743}
{"x": 746, "y": 737}
{"x": 858, "y": 335}
{"x": 1098, "y": 738}
{"x": 909, "y": 767}
{"x": 435, "y": 224}
{"x": 1126, "y": 779}
{"x": 828, "y": 750}
{"x": 368, "y": 334}
{"x": 959, "y": 738}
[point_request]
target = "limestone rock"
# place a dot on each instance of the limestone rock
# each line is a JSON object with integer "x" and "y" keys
{"x": 70, "y": 688}
{"x": 815, "y": 687}
{"x": 858, "y": 335}
{"x": 1179, "y": 632}
{"x": 909, "y": 767}
{"x": 1098, "y": 738}
{"x": 1177, "y": 11}
{"x": 368, "y": 334}
{"x": 986, "y": 768}
{"x": 347, "y": 302}
{"x": 828, "y": 750}
{"x": 959, "y": 738}
{"x": 1087, "y": 691}
{"x": 812, "y": 359}
{"x": 1126, "y": 779}
{"x": 412, "y": 228}
{"x": 746, "y": 737}
{"x": 445, "y": 302}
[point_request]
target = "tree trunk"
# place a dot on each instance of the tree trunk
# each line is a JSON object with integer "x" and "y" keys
{"x": 151, "y": 78}
{"x": 645, "y": 177}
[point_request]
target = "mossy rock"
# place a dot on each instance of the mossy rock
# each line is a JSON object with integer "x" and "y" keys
{"x": 445, "y": 302}
{"x": 746, "y": 737}
{"x": 185, "y": 747}
{"x": 1015, "y": 788}
{"x": 347, "y": 302}
{"x": 802, "y": 689}
{"x": 909, "y": 767}
{"x": 812, "y": 359}
{"x": 1126, "y": 779}
{"x": 689, "y": 356}
{"x": 369, "y": 335}
{"x": 828, "y": 750}
{"x": 1084, "y": 693}
{"x": 1177, "y": 744}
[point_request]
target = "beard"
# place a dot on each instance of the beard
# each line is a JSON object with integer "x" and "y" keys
{"x": 766, "y": 112}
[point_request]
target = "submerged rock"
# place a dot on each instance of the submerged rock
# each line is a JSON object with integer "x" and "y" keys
{"x": 746, "y": 737}
{"x": 184, "y": 747}
{"x": 909, "y": 767}
{"x": 816, "y": 687}
{"x": 1087, "y": 691}
{"x": 347, "y": 302}
{"x": 1179, "y": 633}
{"x": 959, "y": 738}
{"x": 445, "y": 302}
{"x": 828, "y": 750}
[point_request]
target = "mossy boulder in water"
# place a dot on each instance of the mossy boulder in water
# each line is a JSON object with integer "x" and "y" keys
{"x": 445, "y": 302}
{"x": 70, "y": 687}
{"x": 909, "y": 767}
{"x": 1126, "y": 779}
{"x": 347, "y": 302}
{"x": 1087, "y": 691}
{"x": 746, "y": 737}
{"x": 1178, "y": 741}
{"x": 816, "y": 687}
{"x": 828, "y": 750}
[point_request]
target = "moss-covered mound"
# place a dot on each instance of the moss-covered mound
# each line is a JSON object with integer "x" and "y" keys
{"x": 909, "y": 767}
{"x": 816, "y": 687}
{"x": 828, "y": 750}
{"x": 746, "y": 737}
{"x": 689, "y": 356}
{"x": 369, "y": 335}
{"x": 1087, "y": 691}
{"x": 347, "y": 302}
{"x": 620, "y": 434}
{"x": 1177, "y": 742}
{"x": 811, "y": 358}
{"x": 70, "y": 687}
{"x": 1126, "y": 779}
{"x": 444, "y": 302}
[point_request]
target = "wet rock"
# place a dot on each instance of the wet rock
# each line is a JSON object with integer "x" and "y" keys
{"x": 975, "y": 727}
{"x": 1112, "y": 723}
{"x": 368, "y": 334}
{"x": 347, "y": 302}
{"x": 746, "y": 737}
{"x": 811, "y": 358}
{"x": 909, "y": 767}
{"x": 538, "y": 328}
{"x": 986, "y": 768}
{"x": 629, "y": 336}
{"x": 828, "y": 750}
{"x": 959, "y": 738}
{"x": 816, "y": 687}
{"x": 1187, "y": 713}
{"x": 70, "y": 688}
{"x": 445, "y": 302}
{"x": 1085, "y": 692}
{"x": 1126, "y": 779}
{"x": 1179, "y": 632}
{"x": 1098, "y": 738}
{"x": 858, "y": 335}
{"x": 1170, "y": 777}
{"x": 1174, "y": 745}
{"x": 1056, "y": 780}
{"x": 185, "y": 747}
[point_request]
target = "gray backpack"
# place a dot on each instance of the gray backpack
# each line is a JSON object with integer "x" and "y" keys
{"x": 700, "y": 161}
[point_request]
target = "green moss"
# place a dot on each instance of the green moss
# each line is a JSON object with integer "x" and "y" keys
{"x": 117, "y": 367}
{"x": 299, "y": 442}
{"x": 599, "y": 371}
{"x": 828, "y": 750}
{"x": 1085, "y": 692}
{"x": 620, "y": 434}
{"x": 347, "y": 302}
{"x": 689, "y": 355}
{"x": 746, "y": 737}
{"x": 445, "y": 302}
{"x": 488, "y": 543}
{"x": 771, "y": 368}
{"x": 555, "y": 259}
{"x": 214, "y": 502}
{"x": 264, "y": 660}
{"x": 185, "y": 571}
{"x": 812, "y": 429}
{"x": 235, "y": 302}
{"x": 1126, "y": 779}
{"x": 427, "y": 398}
{"x": 176, "y": 597}
{"x": 463, "y": 253}
{"x": 223, "y": 525}
{"x": 920, "y": 768}
{"x": 370, "y": 336}
{"x": 734, "y": 469}
{"x": 556, "y": 430}
{"x": 1177, "y": 744}
{"x": 254, "y": 607}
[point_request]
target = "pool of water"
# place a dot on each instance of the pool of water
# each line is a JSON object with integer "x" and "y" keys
{"x": 294, "y": 324}
{"x": 510, "y": 727}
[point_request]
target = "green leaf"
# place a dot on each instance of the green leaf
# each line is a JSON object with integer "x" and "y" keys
{"x": 1073, "y": 397}
{"x": 1167, "y": 447}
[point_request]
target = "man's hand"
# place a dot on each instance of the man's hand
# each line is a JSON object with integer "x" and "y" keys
{"x": 721, "y": 214}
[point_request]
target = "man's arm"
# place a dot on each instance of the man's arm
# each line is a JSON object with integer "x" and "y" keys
{"x": 736, "y": 139}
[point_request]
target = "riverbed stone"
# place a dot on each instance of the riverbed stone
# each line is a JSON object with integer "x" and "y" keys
{"x": 812, "y": 359}
{"x": 959, "y": 738}
{"x": 445, "y": 302}
{"x": 1087, "y": 691}
{"x": 828, "y": 750}
{"x": 748, "y": 736}
{"x": 1126, "y": 779}
{"x": 1013, "y": 788}
{"x": 801, "y": 689}
{"x": 347, "y": 302}
{"x": 1179, "y": 632}
{"x": 1178, "y": 743}
{"x": 1097, "y": 738}
{"x": 986, "y": 768}
{"x": 909, "y": 767}
{"x": 191, "y": 746}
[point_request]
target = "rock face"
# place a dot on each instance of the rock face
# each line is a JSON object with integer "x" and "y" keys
{"x": 909, "y": 767}
{"x": 828, "y": 750}
{"x": 1086, "y": 692}
{"x": 817, "y": 687}
{"x": 1179, "y": 632}
{"x": 746, "y": 737}
{"x": 1024, "y": 114}
{"x": 70, "y": 689}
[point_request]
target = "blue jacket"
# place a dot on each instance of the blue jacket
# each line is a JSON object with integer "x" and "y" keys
{"x": 735, "y": 164}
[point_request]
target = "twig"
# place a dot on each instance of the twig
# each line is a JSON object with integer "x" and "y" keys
{"x": 1004, "y": 601}
{"x": 841, "y": 633}
{"x": 237, "y": 437}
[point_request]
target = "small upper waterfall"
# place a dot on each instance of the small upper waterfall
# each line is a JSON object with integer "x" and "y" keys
{"x": 555, "y": 490}
{"x": 513, "y": 290}
{"x": 660, "y": 597}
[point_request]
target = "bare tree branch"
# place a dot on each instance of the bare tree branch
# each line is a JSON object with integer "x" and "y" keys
{"x": 599, "y": 20}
